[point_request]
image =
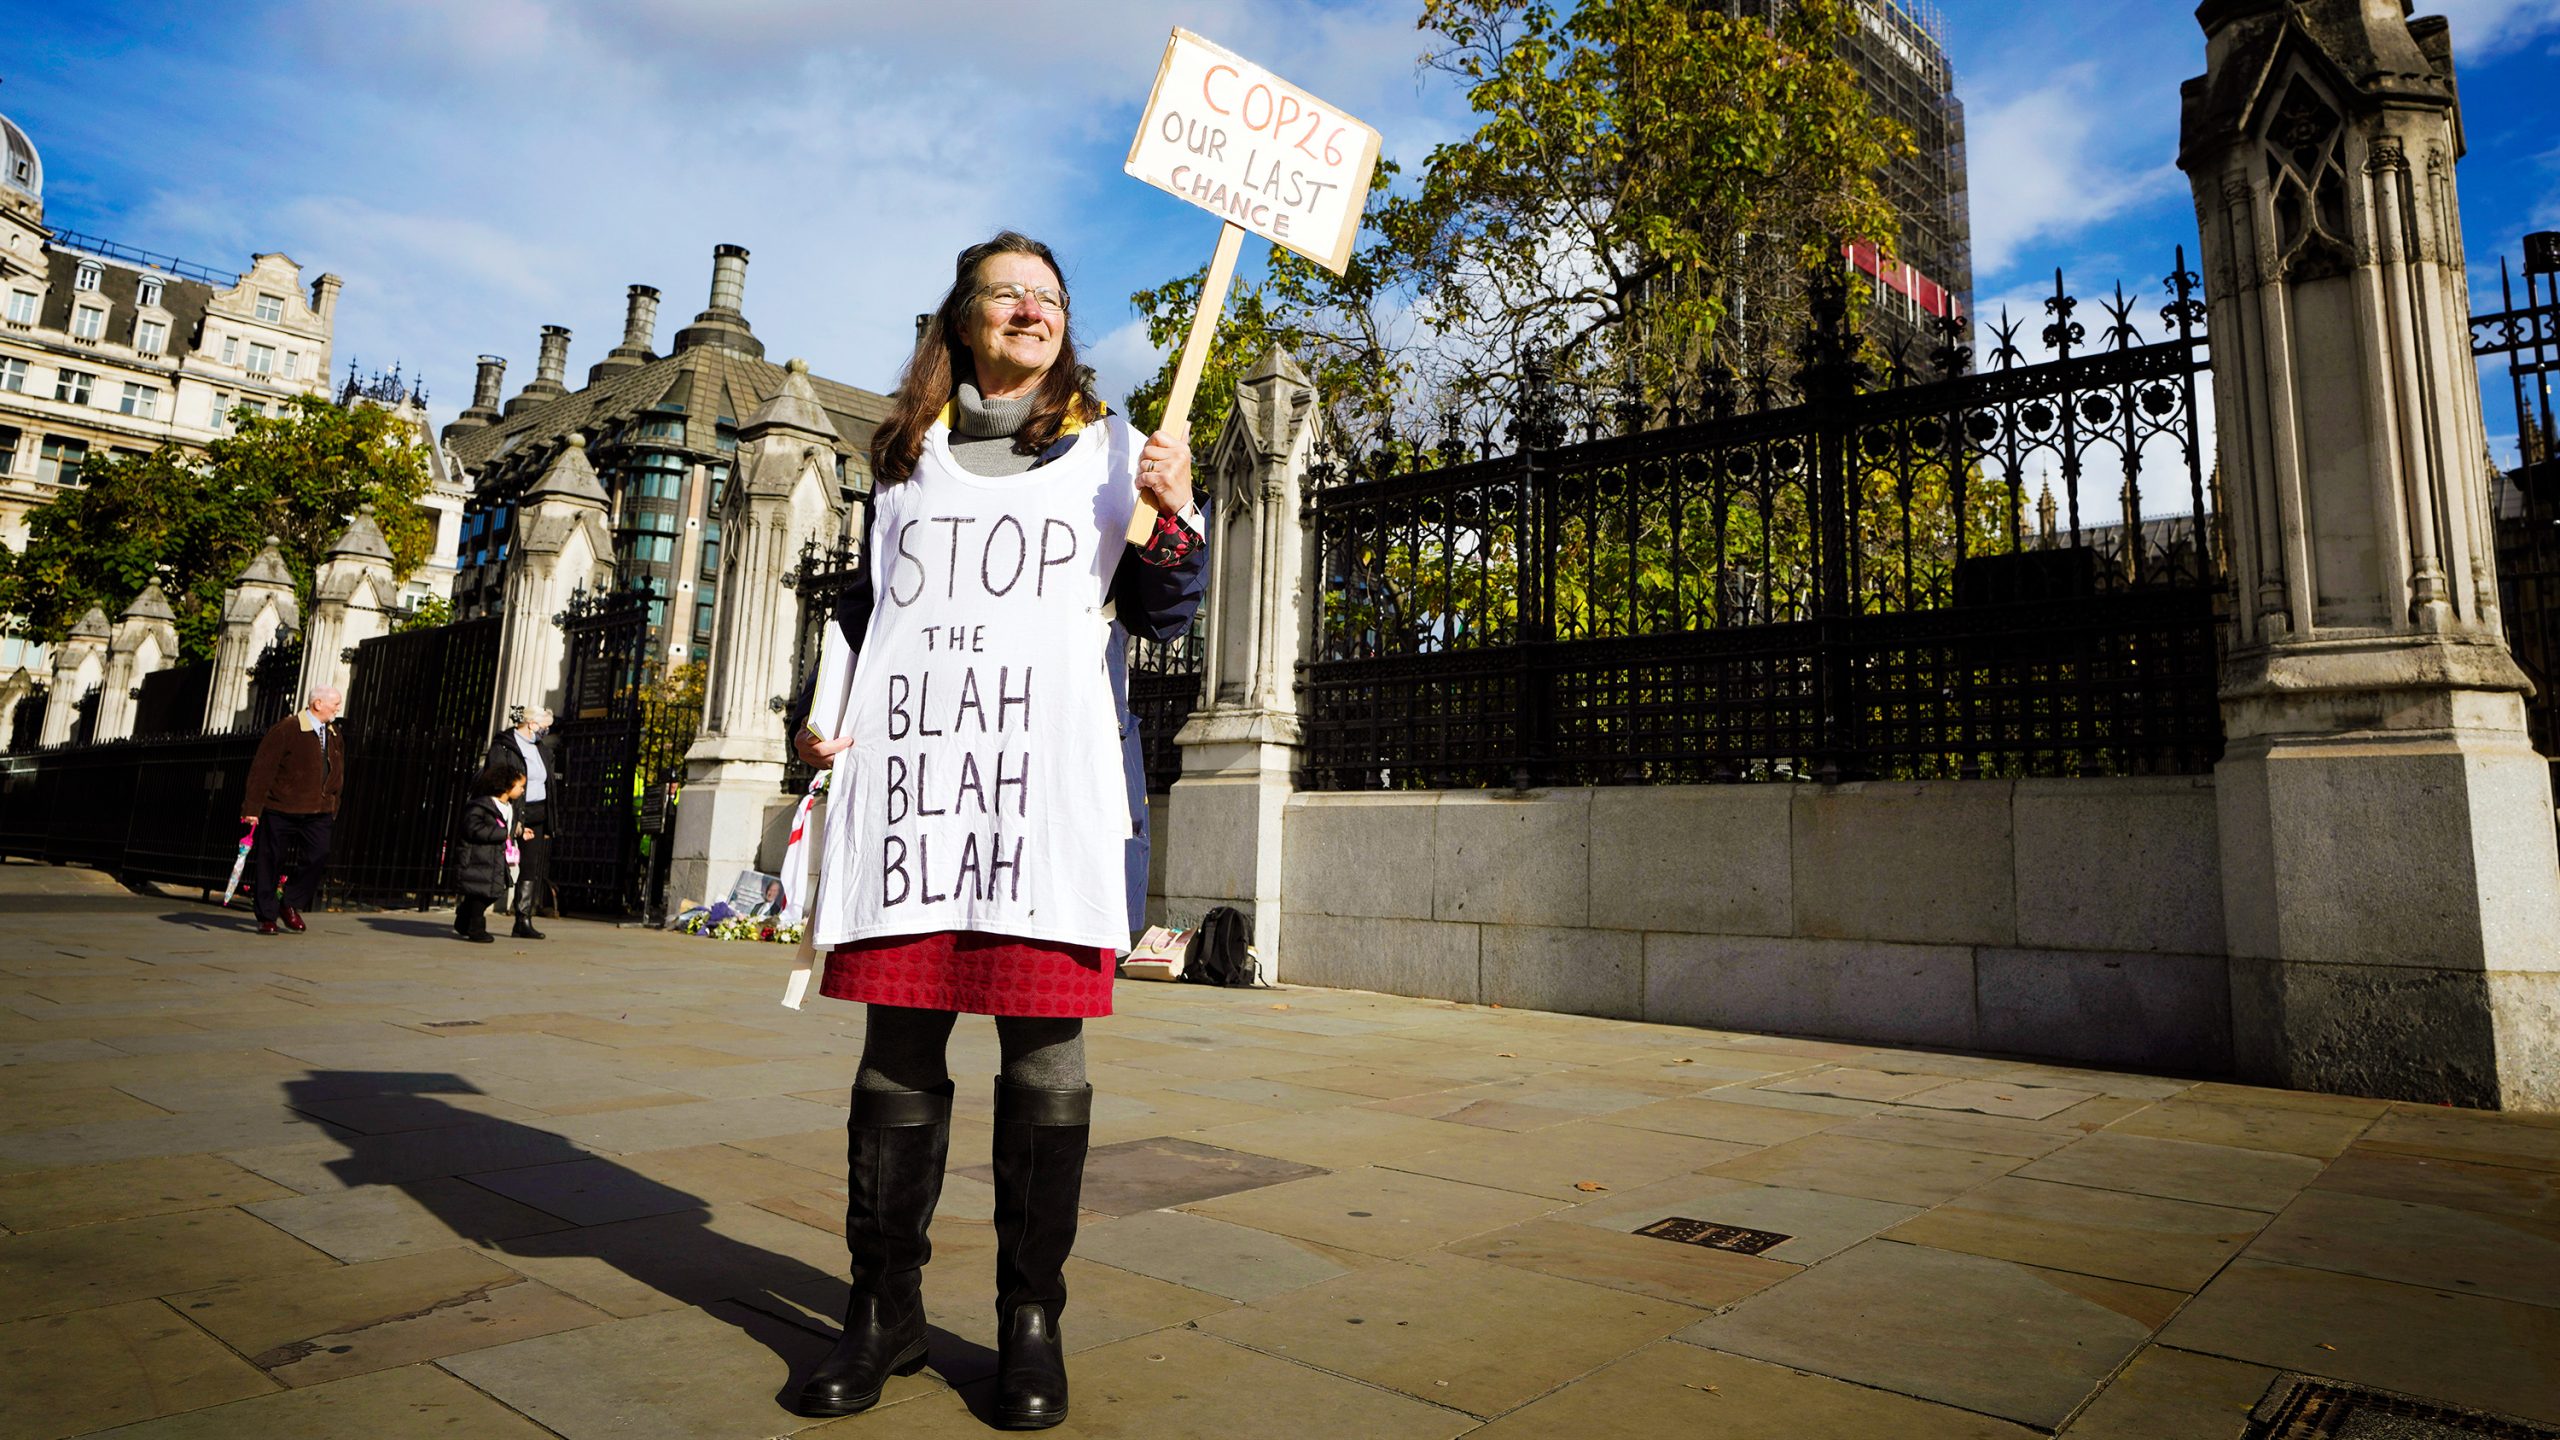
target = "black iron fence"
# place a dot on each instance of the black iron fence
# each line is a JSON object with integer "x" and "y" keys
{"x": 273, "y": 678}
{"x": 1849, "y": 575}
{"x": 171, "y": 703}
{"x": 417, "y": 707}
{"x": 2525, "y": 339}
{"x": 595, "y": 797}
{"x": 825, "y": 574}
{"x": 1164, "y": 688}
{"x": 165, "y": 810}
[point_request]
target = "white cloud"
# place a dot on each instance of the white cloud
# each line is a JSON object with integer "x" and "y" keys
{"x": 2482, "y": 28}
{"x": 2041, "y": 168}
{"x": 1122, "y": 359}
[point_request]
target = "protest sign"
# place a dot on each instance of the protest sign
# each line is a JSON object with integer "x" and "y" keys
{"x": 1261, "y": 154}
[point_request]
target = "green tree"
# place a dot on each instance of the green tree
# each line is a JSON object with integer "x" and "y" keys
{"x": 191, "y": 522}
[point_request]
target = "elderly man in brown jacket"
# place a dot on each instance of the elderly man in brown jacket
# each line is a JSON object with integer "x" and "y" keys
{"x": 291, "y": 797}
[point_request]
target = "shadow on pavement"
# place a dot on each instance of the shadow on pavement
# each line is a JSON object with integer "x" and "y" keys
{"x": 411, "y": 925}
{"x": 658, "y": 1236}
{"x": 214, "y": 917}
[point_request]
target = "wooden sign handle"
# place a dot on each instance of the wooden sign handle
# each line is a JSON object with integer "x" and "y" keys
{"x": 1195, "y": 355}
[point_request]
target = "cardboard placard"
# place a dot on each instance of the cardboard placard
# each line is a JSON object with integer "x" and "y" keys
{"x": 1255, "y": 150}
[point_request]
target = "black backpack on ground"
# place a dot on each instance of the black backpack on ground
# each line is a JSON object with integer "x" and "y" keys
{"x": 1216, "y": 952}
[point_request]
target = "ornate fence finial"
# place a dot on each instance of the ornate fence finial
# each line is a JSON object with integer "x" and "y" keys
{"x": 2184, "y": 310}
{"x": 1951, "y": 355}
{"x": 2120, "y": 331}
{"x": 2064, "y": 332}
{"x": 2006, "y": 355}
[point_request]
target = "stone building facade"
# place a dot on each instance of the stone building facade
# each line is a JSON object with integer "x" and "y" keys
{"x": 661, "y": 432}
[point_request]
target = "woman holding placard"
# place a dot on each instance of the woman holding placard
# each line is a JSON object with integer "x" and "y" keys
{"x": 973, "y": 861}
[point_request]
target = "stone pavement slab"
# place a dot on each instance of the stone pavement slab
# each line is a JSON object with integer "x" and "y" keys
{"x": 1980, "y": 1334}
{"x": 595, "y": 1185}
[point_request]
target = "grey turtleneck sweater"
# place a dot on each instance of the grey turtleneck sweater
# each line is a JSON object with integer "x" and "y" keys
{"x": 982, "y": 432}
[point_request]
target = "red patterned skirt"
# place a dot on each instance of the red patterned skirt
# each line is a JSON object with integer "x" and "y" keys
{"x": 972, "y": 973}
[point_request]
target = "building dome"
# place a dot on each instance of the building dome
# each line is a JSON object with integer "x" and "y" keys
{"x": 22, "y": 169}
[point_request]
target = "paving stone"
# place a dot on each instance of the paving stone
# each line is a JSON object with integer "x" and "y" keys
{"x": 1956, "y": 1132}
{"x": 1200, "y": 1253}
{"x": 2469, "y": 1350}
{"x": 52, "y": 1109}
{"x": 1986, "y": 1335}
{"x": 1872, "y": 1169}
{"x": 1496, "y": 1335}
{"x": 1119, "y": 1117}
{"x": 1275, "y": 1094}
{"x": 2216, "y": 1093}
{"x": 1183, "y": 1383}
{"x": 2010, "y": 1099}
{"x": 1559, "y": 1160}
{"x": 417, "y": 1402}
{"x": 376, "y": 1222}
{"x": 589, "y": 1192}
{"x": 311, "y": 1329}
{"x": 128, "y": 1190}
{"x": 1375, "y": 1211}
{"x": 1720, "y": 1119}
{"x": 688, "y": 1375}
{"x": 2180, "y": 1170}
{"x": 1692, "y": 1275}
{"x": 1156, "y": 1174}
{"x": 92, "y": 1369}
{"x": 665, "y": 1262}
{"x": 2467, "y": 1135}
{"x": 708, "y": 1122}
{"x": 2290, "y": 1130}
{"x": 1818, "y": 1225}
{"x": 1675, "y": 1389}
{"x": 1378, "y": 1082}
{"x": 2171, "y": 1395}
{"x": 99, "y": 1142}
{"x": 1339, "y": 1139}
{"x": 474, "y": 1149}
{"x": 393, "y": 1114}
{"x": 1842, "y": 1082}
{"x": 2460, "y": 1184}
{"x": 86, "y": 1266}
{"x": 1787, "y": 1100}
{"x": 2141, "y": 1239}
{"x": 2475, "y": 1253}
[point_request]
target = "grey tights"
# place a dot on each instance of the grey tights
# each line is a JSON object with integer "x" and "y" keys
{"x": 902, "y": 1049}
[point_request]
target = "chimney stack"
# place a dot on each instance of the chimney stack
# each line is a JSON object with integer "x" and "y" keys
{"x": 724, "y": 323}
{"x": 484, "y": 397}
{"x": 639, "y": 331}
{"x": 546, "y": 385}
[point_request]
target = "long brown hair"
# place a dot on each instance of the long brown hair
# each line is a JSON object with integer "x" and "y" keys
{"x": 941, "y": 362}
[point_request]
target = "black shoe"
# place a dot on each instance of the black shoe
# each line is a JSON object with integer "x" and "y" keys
{"x": 895, "y": 1143}
{"x": 481, "y": 937}
{"x": 1041, "y": 1137}
{"x": 524, "y": 930}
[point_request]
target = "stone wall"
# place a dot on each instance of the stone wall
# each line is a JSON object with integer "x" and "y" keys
{"x": 2072, "y": 919}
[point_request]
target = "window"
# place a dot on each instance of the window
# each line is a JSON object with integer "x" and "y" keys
{"x": 711, "y": 550}
{"x": 88, "y": 322}
{"x": 218, "y": 414}
{"x": 13, "y": 374}
{"x": 150, "y": 336}
{"x": 702, "y": 621}
{"x": 22, "y": 307}
{"x": 87, "y": 276}
{"x": 292, "y": 364}
{"x": 262, "y": 359}
{"x": 71, "y": 387}
{"x": 270, "y": 307}
{"x": 8, "y": 449}
{"x": 148, "y": 293}
{"x": 60, "y": 458}
{"x": 140, "y": 401}
{"x": 661, "y": 476}
{"x": 662, "y": 427}
{"x": 230, "y": 349}
{"x": 254, "y": 407}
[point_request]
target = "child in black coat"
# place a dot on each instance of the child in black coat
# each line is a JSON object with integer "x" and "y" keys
{"x": 480, "y": 865}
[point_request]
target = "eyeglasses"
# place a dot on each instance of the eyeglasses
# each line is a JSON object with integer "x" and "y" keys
{"x": 1008, "y": 297}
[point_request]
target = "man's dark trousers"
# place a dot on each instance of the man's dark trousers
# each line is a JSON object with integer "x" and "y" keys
{"x": 298, "y": 842}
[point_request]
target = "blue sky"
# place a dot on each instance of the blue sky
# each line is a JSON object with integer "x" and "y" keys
{"x": 477, "y": 169}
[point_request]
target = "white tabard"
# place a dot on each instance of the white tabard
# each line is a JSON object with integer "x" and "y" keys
{"x": 983, "y": 790}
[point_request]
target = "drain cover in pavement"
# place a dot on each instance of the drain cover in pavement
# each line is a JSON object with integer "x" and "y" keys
{"x": 2300, "y": 1408}
{"x": 1735, "y": 1238}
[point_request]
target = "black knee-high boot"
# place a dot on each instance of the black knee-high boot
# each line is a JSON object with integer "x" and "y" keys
{"x": 896, "y": 1141}
{"x": 1041, "y": 1137}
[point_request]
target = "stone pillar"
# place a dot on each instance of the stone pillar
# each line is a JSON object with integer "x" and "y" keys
{"x": 1221, "y": 837}
{"x": 258, "y": 607}
{"x": 2390, "y": 885}
{"x": 146, "y": 640}
{"x": 561, "y": 546}
{"x": 783, "y": 495}
{"x": 14, "y": 690}
{"x": 79, "y": 666}
{"x": 352, "y": 597}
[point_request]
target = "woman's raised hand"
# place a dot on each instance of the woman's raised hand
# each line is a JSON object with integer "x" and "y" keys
{"x": 1164, "y": 470}
{"x": 815, "y": 751}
